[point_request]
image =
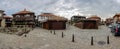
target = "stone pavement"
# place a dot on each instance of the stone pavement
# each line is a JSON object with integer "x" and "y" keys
{"x": 43, "y": 39}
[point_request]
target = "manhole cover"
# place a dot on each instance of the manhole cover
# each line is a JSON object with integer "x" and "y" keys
{"x": 101, "y": 42}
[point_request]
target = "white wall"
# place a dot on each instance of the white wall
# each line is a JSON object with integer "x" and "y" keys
{"x": 42, "y": 18}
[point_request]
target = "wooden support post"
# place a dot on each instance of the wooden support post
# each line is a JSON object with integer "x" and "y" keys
{"x": 108, "y": 40}
{"x": 62, "y": 35}
{"x": 73, "y": 38}
{"x": 54, "y": 32}
{"x": 51, "y": 31}
{"x": 92, "y": 41}
{"x": 25, "y": 35}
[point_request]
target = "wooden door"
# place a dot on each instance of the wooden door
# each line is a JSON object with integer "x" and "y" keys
{"x": 57, "y": 25}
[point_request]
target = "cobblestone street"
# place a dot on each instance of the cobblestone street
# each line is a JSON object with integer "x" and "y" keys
{"x": 44, "y": 39}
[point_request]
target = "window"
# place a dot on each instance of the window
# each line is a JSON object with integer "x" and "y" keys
{"x": 27, "y": 15}
{"x": 17, "y": 15}
{"x": 42, "y": 17}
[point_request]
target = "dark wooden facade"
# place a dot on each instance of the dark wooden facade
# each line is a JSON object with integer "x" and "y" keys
{"x": 109, "y": 21}
{"x": 8, "y": 21}
{"x": 54, "y": 25}
{"x": 53, "y": 22}
{"x": 24, "y": 19}
{"x": 0, "y": 22}
{"x": 87, "y": 24}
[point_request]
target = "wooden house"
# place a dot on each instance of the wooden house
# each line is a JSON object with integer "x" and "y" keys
{"x": 8, "y": 21}
{"x": 116, "y": 18}
{"x": 24, "y": 19}
{"x": 108, "y": 21}
{"x": 52, "y": 22}
{"x": 95, "y": 17}
{"x": 77, "y": 18}
{"x": 1, "y": 16}
{"x": 1, "y": 13}
{"x": 87, "y": 24}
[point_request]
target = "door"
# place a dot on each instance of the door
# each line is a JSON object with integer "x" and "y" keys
{"x": 57, "y": 25}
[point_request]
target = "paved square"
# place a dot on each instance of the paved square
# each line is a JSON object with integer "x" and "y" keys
{"x": 42, "y": 39}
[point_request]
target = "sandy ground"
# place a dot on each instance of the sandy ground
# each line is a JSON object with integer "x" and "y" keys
{"x": 43, "y": 39}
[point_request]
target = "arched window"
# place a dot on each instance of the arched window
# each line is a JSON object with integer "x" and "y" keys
{"x": 17, "y": 15}
{"x": 27, "y": 15}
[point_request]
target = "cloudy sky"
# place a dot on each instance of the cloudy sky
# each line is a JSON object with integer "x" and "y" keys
{"x": 66, "y": 8}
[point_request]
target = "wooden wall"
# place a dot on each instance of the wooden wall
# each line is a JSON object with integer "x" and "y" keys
{"x": 87, "y": 24}
{"x": 90, "y": 25}
{"x": 55, "y": 25}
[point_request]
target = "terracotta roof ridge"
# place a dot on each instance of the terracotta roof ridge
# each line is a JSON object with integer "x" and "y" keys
{"x": 24, "y": 12}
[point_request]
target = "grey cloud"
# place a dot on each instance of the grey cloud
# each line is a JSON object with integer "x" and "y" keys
{"x": 103, "y": 8}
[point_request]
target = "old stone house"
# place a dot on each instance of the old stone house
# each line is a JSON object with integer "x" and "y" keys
{"x": 52, "y": 22}
{"x": 24, "y": 18}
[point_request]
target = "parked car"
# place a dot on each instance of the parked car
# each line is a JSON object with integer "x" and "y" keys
{"x": 115, "y": 29}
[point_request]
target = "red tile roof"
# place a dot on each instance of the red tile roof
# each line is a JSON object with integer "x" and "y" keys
{"x": 52, "y": 16}
{"x": 24, "y": 12}
{"x": 116, "y": 15}
{"x": 8, "y": 17}
{"x": 94, "y": 17}
{"x": 109, "y": 18}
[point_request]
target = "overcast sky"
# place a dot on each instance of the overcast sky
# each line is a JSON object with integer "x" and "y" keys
{"x": 66, "y": 8}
